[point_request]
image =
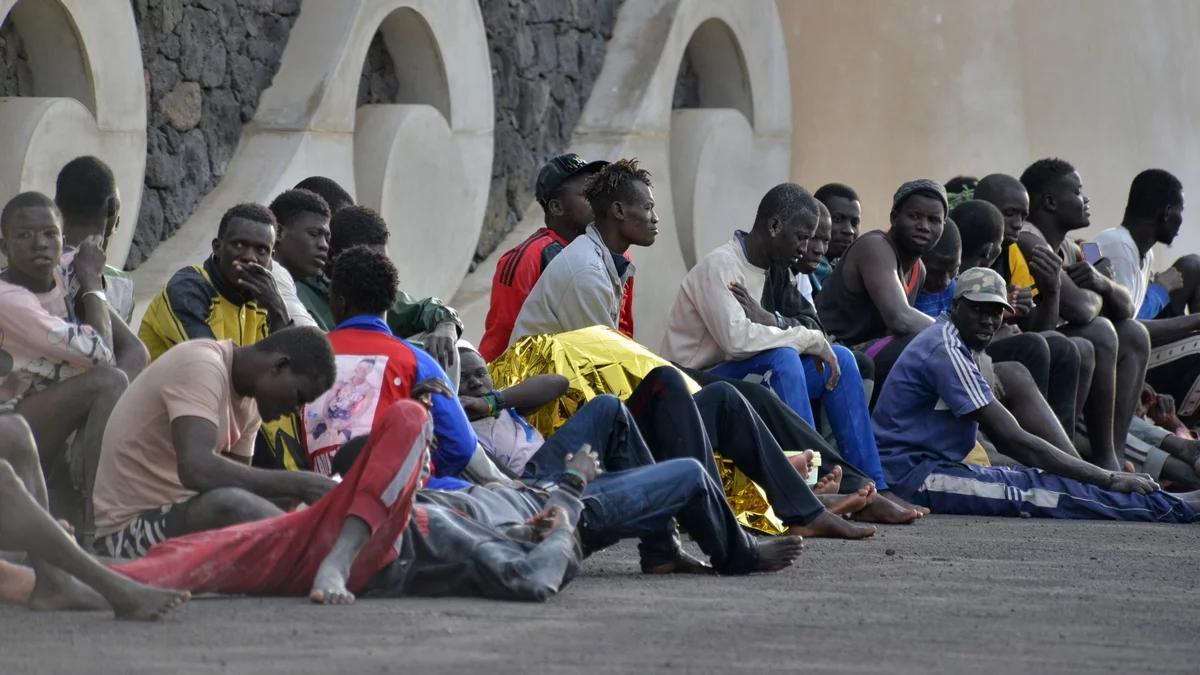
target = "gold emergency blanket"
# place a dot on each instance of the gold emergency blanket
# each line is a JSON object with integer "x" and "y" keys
{"x": 599, "y": 360}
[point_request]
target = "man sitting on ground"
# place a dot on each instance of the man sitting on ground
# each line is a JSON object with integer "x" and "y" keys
{"x": 935, "y": 402}
{"x": 867, "y": 301}
{"x": 86, "y": 195}
{"x": 65, "y": 360}
{"x": 845, "y": 212}
{"x": 717, "y": 323}
{"x": 1093, "y": 306}
{"x": 60, "y": 574}
{"x": 560, "y": 192}
{"x": 179, "y": 441}
{"x": 301, "y": 247}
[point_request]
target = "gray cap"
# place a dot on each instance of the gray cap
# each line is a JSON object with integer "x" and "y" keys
{"x": 980, "y": 284}
{"x": 921, "y": 185}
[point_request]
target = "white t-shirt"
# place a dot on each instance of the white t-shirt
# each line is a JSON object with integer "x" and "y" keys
{"x": 291, "y": 299}
{"x": 1129, "y": 269}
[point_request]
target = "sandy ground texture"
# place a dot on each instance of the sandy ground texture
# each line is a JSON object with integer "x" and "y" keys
{"x": 949, "y": 594}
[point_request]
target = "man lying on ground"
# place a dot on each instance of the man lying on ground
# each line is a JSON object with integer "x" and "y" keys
{"x": 935, "y": 402}
{"x": 60, "y": 574}
{"x": 176, "y": 452}
{"x": 66, "y": 360}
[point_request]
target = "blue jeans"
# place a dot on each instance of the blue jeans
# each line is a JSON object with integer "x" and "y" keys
{"x": 795, "y": 379}
{"x": 635, "y": 497}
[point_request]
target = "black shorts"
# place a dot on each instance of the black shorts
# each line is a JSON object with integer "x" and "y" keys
{"x": 143, "y": 532}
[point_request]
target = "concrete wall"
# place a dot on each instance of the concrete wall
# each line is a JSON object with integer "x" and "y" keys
{"x": 885, "y": 90}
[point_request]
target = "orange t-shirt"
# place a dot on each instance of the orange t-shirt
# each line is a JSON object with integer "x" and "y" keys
{"x": 139, "y": 468}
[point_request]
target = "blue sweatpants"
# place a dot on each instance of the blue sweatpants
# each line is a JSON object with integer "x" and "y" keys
{"x": 795, "y": 379}
{"x": 999, "y": 491}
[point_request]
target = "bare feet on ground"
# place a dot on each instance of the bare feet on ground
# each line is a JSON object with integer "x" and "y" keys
{"x": 833, "y": 526}
{"x": 888, "y": 512}
{"x": 61, "y": 591}
{"x": 902, "y": 503}
{"x": 777, "y": 553}
{"x": 844, "y": 505}
{"x": 831, "y": 483}
{"x": 140, "y": 602}
{"x": 329, "y": 587}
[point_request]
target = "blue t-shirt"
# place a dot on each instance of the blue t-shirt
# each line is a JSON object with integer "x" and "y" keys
{"x": 936, "y": 304}
{"x": 920, "y": 420}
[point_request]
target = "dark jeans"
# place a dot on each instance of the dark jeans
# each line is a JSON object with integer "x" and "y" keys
{"x": 676, "y": 425}
{"x": 635, "y": 497}
{"x": 1053, "y": 362}
{"x": 789, "y": 430}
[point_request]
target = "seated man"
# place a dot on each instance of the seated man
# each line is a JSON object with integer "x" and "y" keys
{"x": 717, "y": 323}
{"x": 66, "y": 359}
{"x": 1090, "y": 304}
{"x": 935, "y": 402}
{"x": 335, "y": 195}
{"x": 177, "y": 447}
{"x": 661, "y": 423}
{"x": 361, "y": 291}
{"x": 86, "y": 195}
{"x": 845, "y": 212}
{"x": 867, "y": 301}
{"x": 60, "y": 574}
{"x": 430, "y": 322}
{"x": 941, "y": 269}
{"x": 560, "y": 192}
{"x": 301, "y": 248}
{"x": 586, "y": 284}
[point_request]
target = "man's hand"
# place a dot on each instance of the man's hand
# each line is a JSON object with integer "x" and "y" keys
{"x": 754, "y": 311}
{"x": 1170, "y": 279}
{"x": 547, "y": 521}
{"x": 476, "y": 408}
{"x": 424, "y": 390}
{"x": 1163, "y": 414}
{"x": 312, "y": 486}
{"x": 256, "y": 281}
{"x": 828, "y": 359}
{"x": 1087, "y": 277}
{"x": 441, "y": 344}
{"x": 1132, "y": 482}
{"x": 585, "y": 462}
{"x": 89, "y": 264}
{"x": 1021, "y": 298}
{"x": 1044, "y": 266}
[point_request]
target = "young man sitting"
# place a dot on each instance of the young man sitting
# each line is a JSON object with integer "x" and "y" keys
{"x": 718, "y": 324}
{"x": 66, "y": 359}
{"x": 60, "y": 575}
{"x": 845, "y": 213}
{"x": 301, "y": 247}
{"x": 935, "y": 402}
{"x": 177, "y": 447}
{"x": 560, "y": 192}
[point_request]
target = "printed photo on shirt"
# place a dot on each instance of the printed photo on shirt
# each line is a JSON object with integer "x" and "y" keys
{"x": 348, "y": 408}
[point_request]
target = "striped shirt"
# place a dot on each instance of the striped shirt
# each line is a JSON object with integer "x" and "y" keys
{"x": 921, "y": 418}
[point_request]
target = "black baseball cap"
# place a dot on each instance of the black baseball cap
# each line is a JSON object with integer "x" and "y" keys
{"x": 559, "y": 170}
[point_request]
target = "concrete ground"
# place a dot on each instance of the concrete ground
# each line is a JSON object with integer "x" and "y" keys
{"x": 949, "y": 594}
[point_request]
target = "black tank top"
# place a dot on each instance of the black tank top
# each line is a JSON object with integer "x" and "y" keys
{"x": 850, "y": 317}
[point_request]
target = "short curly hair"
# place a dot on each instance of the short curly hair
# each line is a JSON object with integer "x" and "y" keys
{"x": 365, "y": 279}
{"x": 1043, "y": 175}
{"x": 248, "y": 211}
{"x": 614, "y": 183}
{"x": 334, "y": 195}
{"x": 293, "y": 202}
{"x": 356, "y": 226}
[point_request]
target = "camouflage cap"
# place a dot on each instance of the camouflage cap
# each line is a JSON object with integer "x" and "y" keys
{"x": 980, "y": 284}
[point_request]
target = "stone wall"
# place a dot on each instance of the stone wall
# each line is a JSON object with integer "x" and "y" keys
{"x": 16, "y": 79}
{"x": 546, "y": 55}
{"x": 207, "y": 62}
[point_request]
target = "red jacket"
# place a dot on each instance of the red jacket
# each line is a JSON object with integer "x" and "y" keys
{"x": 516, "y": 273}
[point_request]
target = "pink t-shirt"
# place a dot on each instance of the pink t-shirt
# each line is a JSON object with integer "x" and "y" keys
{"x": 41, "y": 343}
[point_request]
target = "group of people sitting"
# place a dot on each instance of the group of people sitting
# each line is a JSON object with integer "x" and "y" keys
{"x": 286, "y": 421}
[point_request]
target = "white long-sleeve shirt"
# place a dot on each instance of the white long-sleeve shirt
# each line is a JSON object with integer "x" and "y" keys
{"x": 708, "y": 326}
{"x": 286, "y": 286}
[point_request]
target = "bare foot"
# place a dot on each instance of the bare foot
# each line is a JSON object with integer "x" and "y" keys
{"x": 682, "y": 564}
{"x": 147, "y": 603}
{"x": 55, "y": 590}
{"x": 329, "y": 587}
{"x": 777, "y": 553}
{"x": 888, "y": 512}
{"x": 832, "y": 526}
{"x": 843, "y": 505}
{"x": 802, "y": 463}
{"x": 831, "y": 483}
{"x": 903, "y": 504}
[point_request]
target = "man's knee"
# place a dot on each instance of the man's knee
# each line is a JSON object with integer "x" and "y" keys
{"x": 399, "y": 413}
{"x": 1133, "y": 337}
{"x": 226, "y": 506}
{"x": 784, "y": 360}
{"x": 1062, "y": 349}
{"x": 105, "y": 380}
{"x": 846, "y": 360}
{"x": 1087, "y": 353}
{"x": 1189, "y": 267}
{"x": 1103, "y": 336}
{"x": 686, "y": 472}
{"x": 1015, "y": 378}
